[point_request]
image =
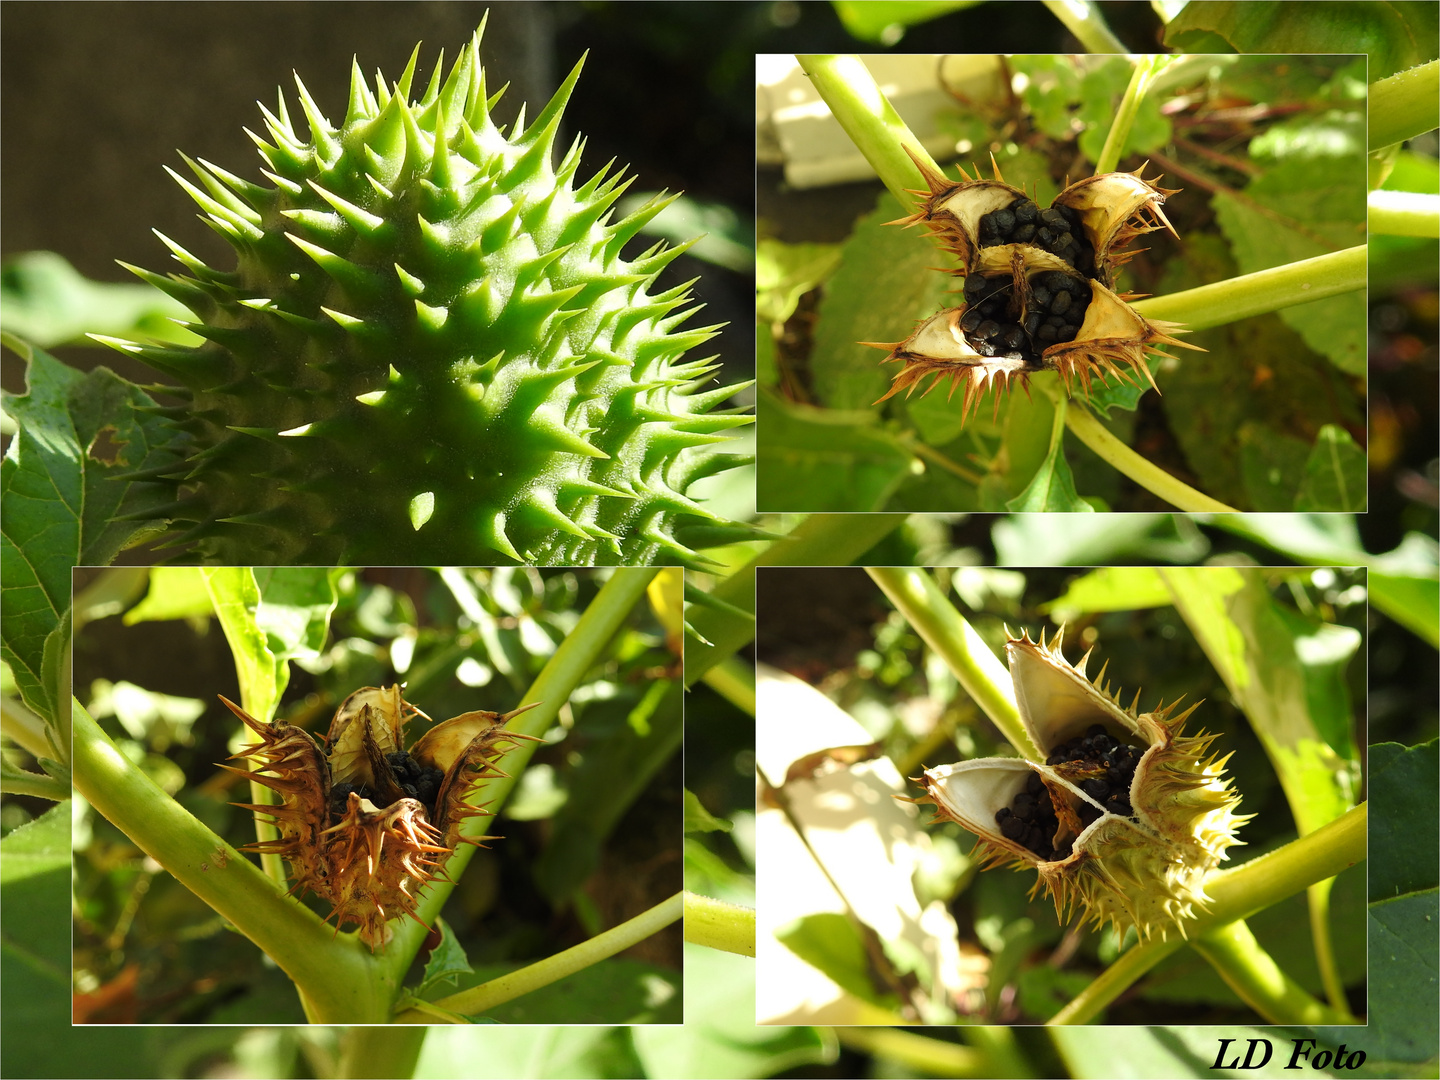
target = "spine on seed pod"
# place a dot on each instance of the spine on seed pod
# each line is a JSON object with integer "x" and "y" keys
{"x": 1126, "y": 817}
{"x": 1038, "y": 286}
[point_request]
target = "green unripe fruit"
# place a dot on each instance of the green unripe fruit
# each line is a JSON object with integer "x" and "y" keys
{"x": 433, "y": 350}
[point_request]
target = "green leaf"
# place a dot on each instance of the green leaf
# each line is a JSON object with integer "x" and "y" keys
{"x": 62, "y": 505}
{"x": 877, "y": 20}
{"x": 1297, "y": 210}
{"x": 815, "y": 460}
{"x": 721, "y": 1039}
{"x": 1396, "y": 35}
{"x": 1286, "y": 672}
{"x": 786, "y": 272}
{"x": 1085, "y": 541}
{"x": 1335, "y": 474}
{"x": 1114, "y": 588}
{"x": 35, "y": 1002}
{"x": 1404, "y": 934}
{"x": 882, "y": 288}
{"x": 1110, "y": 1053}
{"x": 447, "y": 962}
{"x": 698, "y": 819}
{"x": 1052, "y": 488}
{"x": 1404, "y": 809}
{"x": 610, "y": 777}
{"x": 176, "y": 592}
{"x": 1272, "y": 465}
{"x": 503, "y": 1052}
{"x": 616, "y": 990}
{"x": 830, "y": 943}
{"x": 46, "y": 300}
{"x": 271, "y": 615}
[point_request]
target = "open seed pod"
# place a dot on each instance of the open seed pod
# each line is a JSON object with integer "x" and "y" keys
{"x": 1038, "y": 284}
{"x": 1123, "y": 820}
{"x": 367, "y": 826}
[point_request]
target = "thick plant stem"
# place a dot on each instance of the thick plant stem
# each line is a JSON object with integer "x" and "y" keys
{"x": 1114, "y": 148}
{"x": 1258, "y": 981}
{"x": 337, "y": 976}
{"x": 861, "y": 108}
{"x": 1263, "y": 291}
{"x": 1083, "y": 19}
{"x": 984, "y": 677}
{"x": 1404, "y": 213}
{"x": 919, "y": 1052}
{"x": 476, "y": 1000}
{"x": 1235, "y": 894}
{"x": 1403, "y": 105}
{"x": 1085, "y": 427}
{"x": 380, "y": 1052}
{"x": 719, "y": 925}
{"x": 819, "y": 540}
{"x": 561, "y": 674}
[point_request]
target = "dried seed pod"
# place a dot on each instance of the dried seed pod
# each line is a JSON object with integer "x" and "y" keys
{"x": 1038, "y": 285}
{"x": 369, "y": 825}
{"x": 1126, "y": 817}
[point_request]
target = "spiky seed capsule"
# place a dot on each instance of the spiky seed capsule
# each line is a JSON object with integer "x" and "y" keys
{"x": 1037, "y": 286}
{"x": 368, "y": 825}
{"x": 432, "y": 348}
{"x": 1125, "y": 818}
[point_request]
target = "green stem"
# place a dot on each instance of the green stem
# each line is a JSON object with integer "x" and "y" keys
{"x": 918, "y": 1052}
{"x": 819, "y": 540}
{"x": 981, "y": 674}
{"x": 1085, "y": 427}
{"x": 1140, "y": 77}
{"x": 719, "y": 925}
{"x": 1404, "y": 213}
{"x": 1265, "y": 290}
{"x": 1403, "y": 105}
{"x": 24, "y": 728}
{"x": 735, "y": 682}
{"x": 1235, "y": 894}
{"x": 14, "y": 781}
{"x": 552, "y": 687}
{"x": 477, "y": 999}
{"x": 862, "y": 110}
{"x": 1318, "y": 899}
{"x": 1258, "y": 981}
{"x": 1083, "y": 19}
{"x": 337, "y": 976}
{"x": 380, "y": 1052}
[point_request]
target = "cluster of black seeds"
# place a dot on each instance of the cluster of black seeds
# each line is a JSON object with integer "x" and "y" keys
{"x": 1058, "y": 230}
{"x": 1110, "y": 788}
{"x": 994, "y": 323}
{"x": 1030, "y": 820}
{"x": 416, "y": 781}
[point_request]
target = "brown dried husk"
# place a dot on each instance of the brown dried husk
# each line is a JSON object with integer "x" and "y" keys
{"x": 1148, "y": 871}
{"x": 370, "y": 861}
{"x": 1115, "y": 339}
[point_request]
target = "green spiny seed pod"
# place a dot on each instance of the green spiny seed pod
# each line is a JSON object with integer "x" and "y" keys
{"x": 1125, "y": 818}
{"x": 432, "y": 348}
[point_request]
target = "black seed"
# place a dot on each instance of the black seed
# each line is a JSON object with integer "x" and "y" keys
{"x": 987, "y": 329}
{"x": 1046, "y": 237}
{"x": 1066, "y": 333}
{"x": 1048, "y": 333}
{"x": 1014, "y": 337}
{"x": 1032, "y": 322}
{"x": 974, "y": 286}
{"x": 1025, "y": 211}
{"x": 1034, "y": 785}
{"x": 970, "y": 320}
{"x": 1096, "y": 788}
{"x": 1023, "y": 234}
{"x": 1013, "y": 828}
{"x": 1053, "y": 218}
{"x": 985, "y": 348}
{"x": 1024, "y": 805}
{"x": 1002, "y": 814}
